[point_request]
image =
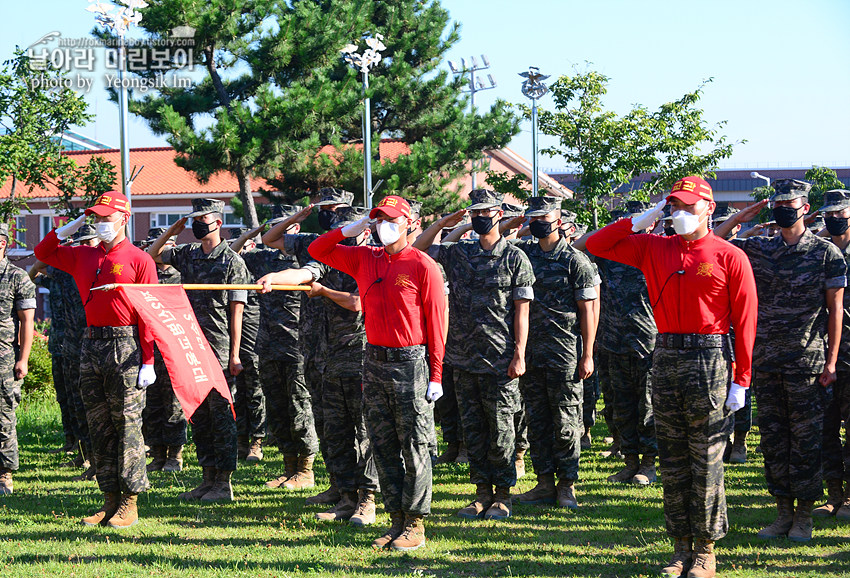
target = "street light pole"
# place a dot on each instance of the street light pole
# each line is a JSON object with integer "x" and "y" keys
{"x": 475, "y": 85}
{"x": 534, "y": 89}
{"x": 755, "y": 175}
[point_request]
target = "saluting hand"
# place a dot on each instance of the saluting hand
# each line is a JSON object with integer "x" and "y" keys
{"x": 750, "y": 213}
{"x": 454, "y": 219}
{"x": 177, "y": 227}
{"x": 302, "y": 215}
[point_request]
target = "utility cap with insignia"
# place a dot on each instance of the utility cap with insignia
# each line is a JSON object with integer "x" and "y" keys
{"x": 348, "y": 215}
{"x": 690, "y": 190}
{"x": 4, "y": 230}
{"x": 722, "y": 212}
{"x": 635, "y": 208}
{"x": 282, "y": 212}
{"x": 332, "y": 196}
{"x": 485, "y": 199}
{"x": 789, "y": 189}
{"x": 835, "y": 200}
{"x": 85, "y": 233}
{"x": 201, "y": 207}
{"x": 511, "y": 211}
{"x": 108, "y": 203}
{"x": 392, "y": 206}
{"x": 539, "y": 206}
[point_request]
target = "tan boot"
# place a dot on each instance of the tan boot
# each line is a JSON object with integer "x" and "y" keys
{"x": 834, "y": 499}
{"x": 483, "y": 501}
{"x": 393, "y": 532}
{"x": 704, "y": 564}
{"x": 158, "y": 453}
{"x": 566, "y": 494}
{"x": 680, "y": 563}
{"x": 450, "y": 455}
{"x": 613, "y": 450}
{"x": 801, "y": 531}
{"x": 543, "y": 493}
{"x": 127, "y": 513}
{"x": 173, "y": 459}
{"x": 413, "y": 536}
{"x": 646, "y": 472}
{"x": 364, "y": 515}
{"x": 628, "y": 472}
{"x": 5, "y": 481}
{"x": 784, "y": 520}
{"x": 329, "y": 496}
{"x": 343, "y": 510}
{"x": 111, "y": 500}
{"x": 519, "y": 464}
{"x": 843, "y": 512}
{"x": 290, "y": 464}
{"x": 255, "y": 451}
{"x": 738, "y": 454}
{"x": 243, "y": 444}
{"x": 502, "y": 506}
{"x": 303, "y": 477}
{"x": 206, "y": 485}
{"x": 222, "y": 489}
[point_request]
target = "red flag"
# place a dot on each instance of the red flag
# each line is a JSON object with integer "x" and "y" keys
{"x": 191, "y": 362}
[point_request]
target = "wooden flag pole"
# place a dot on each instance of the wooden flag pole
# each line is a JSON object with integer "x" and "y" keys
{"x": 206, "y": 287}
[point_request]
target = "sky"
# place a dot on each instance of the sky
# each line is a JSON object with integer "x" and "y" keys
{"x": 779, "y": 67}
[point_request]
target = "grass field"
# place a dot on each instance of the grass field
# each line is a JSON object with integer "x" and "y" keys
{"x": 618, "y": 531}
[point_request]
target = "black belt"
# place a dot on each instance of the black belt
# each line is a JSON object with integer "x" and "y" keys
{"x": 690, "y": 340}
{"x": 111, "y": 332}
{"x": 392, "y": 354}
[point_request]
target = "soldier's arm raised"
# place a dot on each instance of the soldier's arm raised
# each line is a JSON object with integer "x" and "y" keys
{"x": 426, "y": 239}
{"x": 274, "y": 237}
{"x": 37, "y": 267}
{"x": 155, "y": 250}
{"x": 724, "y": 229}
{"x": 457, "y": 233}
{"x": 240, "y": 242}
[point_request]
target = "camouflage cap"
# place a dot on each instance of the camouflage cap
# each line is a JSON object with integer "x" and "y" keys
{"x": 348, "y": 215}
{"x": 4, "y": 230}
{"x": 539, "y": 206}
{"x": 580, "y": 230}
{"x": 155, "y": 233}
{"x": 617, "y": 214}
{"x": 282, "y": 212}
{"x": 568, "y": 217}
{"x": 835, "y": 200}
{"x": 415, "y": 209}
{"x": 510, "y": 210}
{"x": 722, "y": 212}
{"x": 668, "y": 213}
{"x": 817, "y": 223}
{"x": 484, "y": 199}
{"x": 788, "y": 189}
{"x": 236, "y": 232}
{"x": 635, "y": 208}
{"x": 332, "y": 196}
{"x": 84, "y": 233}
{"x": 201, "y": 207}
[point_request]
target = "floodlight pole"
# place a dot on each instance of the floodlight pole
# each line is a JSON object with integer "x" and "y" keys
{"x": 367, "y": 142}
{"x": 472, "y": 90}
{"x": 126, "y": 183}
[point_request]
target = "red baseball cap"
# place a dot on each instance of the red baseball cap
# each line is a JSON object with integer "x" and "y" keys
{"x": 108, "y": 203}
{"x": 392, "y": 206}
{"x": 690, "y": 190}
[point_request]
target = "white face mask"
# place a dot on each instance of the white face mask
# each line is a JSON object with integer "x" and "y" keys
{"x": 685, "y": 223}
{"x": 388, "y": 232}
{"x": 106, "y": 232}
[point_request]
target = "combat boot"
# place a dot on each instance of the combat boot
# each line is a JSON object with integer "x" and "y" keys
{"x": 364, "y": 515}
{"x": 543, "y": 493}
{"x": 739, "y": 449}
{"x": 784, "y": 520}
{"x": 206, "y": 485}
{"x": 450, "y": 455}
{"x": 111, "y": 501}
{"x": 566, "y": 494}
{"x": 519, "y": 464}
{"x": 303, "y": 477}
{"x": 127, "y": 513}
{"x": 329, "y": 496}
{"x": 158, "y": 453}
{"x": 70, "y": 444}
{"x": 290, "y": 463}
{"x": 343, "y": 510}
{"x": 613, "y": 450}
{"x": 646, "y": 472}
{"x": 482, "y": 502}
{"x": 628, "y": 472}
{"x": 586, "y": 441}
{"x": 88, "y": 475}
{"x": 843, "y": 512}
{"x": 834, "y": 498}
{"x": 462, "y": 455}
{"x": 243, "y": 444}
{"x": 255, "y": 451}
{"x": 413, "y": 536}
{"x": 680, "y": 563}
{"x": 704, "y": 563}
{"x": 5, "y": 481}
{"x": 501, "y": 507}
{"x": 173, "y": 459}
{"x": 393, "y": 532}
{"x": 222, "y": 489}
{"x": 801, "y": 531}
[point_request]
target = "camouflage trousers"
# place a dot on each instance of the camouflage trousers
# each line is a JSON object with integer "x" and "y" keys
{"x": 836, "y": 457}
{"x": 487, "y": 406}
{"x": 58, "y": 372}
{"x": 349, "y": 453}
{"x": 10, "y": 397}
{"x": 400, "y": 422}
{"x": 109, "y": 372}
{"x": 446, "y": 409}
{"x": 553, "y": 401}
{"x": 214, "y": 430}
{"x": 791, "y": 415}
{"x": 290, "y": 411}
{"x": 164, "y": 420}
{"x": 689, "y": 388}
{"x": 602, "y": 363}
{"x": 250, "y": 402}
{"x": 632, "y": 403}
{"x": 521, "y": 426}
{"x": 71, "y": 370}
{"x": 313, "y": 378}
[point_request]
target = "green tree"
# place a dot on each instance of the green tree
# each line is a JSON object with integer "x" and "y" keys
{"x": 85, "y": 183}
{"x": 608, "y": 151}
{"x": 823, "y": 179}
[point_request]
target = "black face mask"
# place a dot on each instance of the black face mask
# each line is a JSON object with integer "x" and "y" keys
{"x": 541, "y": 229}
{"x": 483, "y": 225}
{"x": 836, "y": 225}
{"x": 327, "y": 219}
{"x": 201, "y": 230}
{"x": 786, "y": 216}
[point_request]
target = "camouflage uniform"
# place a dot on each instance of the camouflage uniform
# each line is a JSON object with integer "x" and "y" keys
{"x": 54, "y": 347}
{"x": 214, "y": 429}
{"x": 250, "y": 402}
{"x": 592, "y": 385}
{"x": 17, "y": 293}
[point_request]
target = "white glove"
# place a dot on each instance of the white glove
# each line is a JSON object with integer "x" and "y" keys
{"x": 647, "y": 218}
{"x": 737, "y": 397}
{"x": 435, "y": 391}
{"x": 146, "y": 375}
{"x": 355, "y": 228}
{"x": 69, "y": 229}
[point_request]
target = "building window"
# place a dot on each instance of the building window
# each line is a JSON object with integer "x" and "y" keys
{"x": 231, "y": 220}
{"x": 164, "y": 219}
{"x": 19, "y": 234}
{"x": 48, "y": 222}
